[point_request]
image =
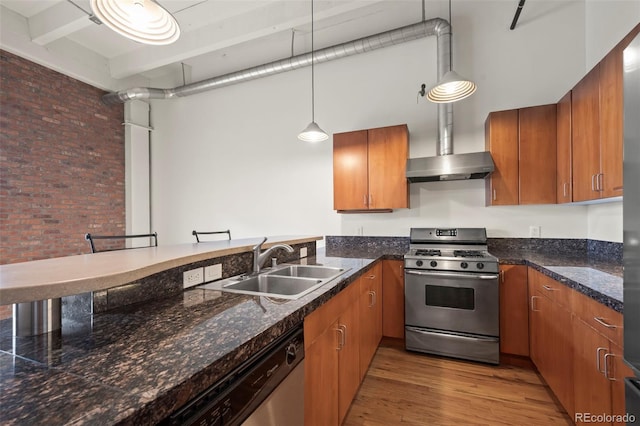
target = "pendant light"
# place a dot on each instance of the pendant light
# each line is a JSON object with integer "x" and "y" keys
{"x": 313, "y": 132}
{"x": 452, "y": 87}
{"x": 144, "y": 21}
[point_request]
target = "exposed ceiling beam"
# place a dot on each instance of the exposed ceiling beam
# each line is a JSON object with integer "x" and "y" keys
{"x": 260, "y": 22}
{"x": 56, "y": 22}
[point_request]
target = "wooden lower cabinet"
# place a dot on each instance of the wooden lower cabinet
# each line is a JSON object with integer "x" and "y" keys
{"x": 591, "y": 387}
{"x": 514, "y": 312}
{"x": 599, "y": 368}
{"x": 550, "y": 337}
{"x": 370, "y": 316}
{"x": 332, "y": 358}
{"x": 393, "y": 298}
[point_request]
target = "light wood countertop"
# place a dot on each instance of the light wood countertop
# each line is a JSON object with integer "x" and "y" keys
{"x": 65, "y": 276}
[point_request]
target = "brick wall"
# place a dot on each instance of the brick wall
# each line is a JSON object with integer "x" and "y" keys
{"x": 61, "y": 163}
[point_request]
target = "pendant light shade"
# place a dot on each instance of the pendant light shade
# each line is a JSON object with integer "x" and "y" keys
{"x": 451, "y": 88}
{"x": 313, "y": 132}
{"x": 144, "y": 21}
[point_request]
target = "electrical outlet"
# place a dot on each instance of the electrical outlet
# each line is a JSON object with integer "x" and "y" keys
{"x": 213, "y": 272}
{"x": 193, "y": 277}
{"x": 535, "y": 231}
{"x": 303, "y": 252}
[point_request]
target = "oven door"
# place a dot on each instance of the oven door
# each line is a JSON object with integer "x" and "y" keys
{"x": 455, "y": 301}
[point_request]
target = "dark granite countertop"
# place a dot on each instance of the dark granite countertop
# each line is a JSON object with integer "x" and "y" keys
{"x": 139, "y": 363}
{"x": 595, "y": 277}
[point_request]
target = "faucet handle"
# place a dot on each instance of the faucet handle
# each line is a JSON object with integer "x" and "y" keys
{"x": 259, "y": 245}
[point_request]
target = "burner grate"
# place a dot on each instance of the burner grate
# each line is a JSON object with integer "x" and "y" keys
{"x": 468, "y": 253}
{"x": 428, "y": 252}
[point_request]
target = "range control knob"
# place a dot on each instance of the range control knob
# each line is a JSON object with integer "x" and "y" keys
{"x": 419, "y": 262}
{"x": 464, "y": 265}
{"x": 480, "y": 265}
{"x": 433, "y": 263}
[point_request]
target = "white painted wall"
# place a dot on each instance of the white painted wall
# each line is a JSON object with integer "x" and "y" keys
{"x": 230, "y": 158}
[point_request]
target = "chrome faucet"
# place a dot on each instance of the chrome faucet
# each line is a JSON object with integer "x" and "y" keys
{"x": 259, "y": 258}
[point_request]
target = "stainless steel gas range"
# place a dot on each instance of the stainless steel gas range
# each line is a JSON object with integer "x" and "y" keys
{"x": 452, "y": 295}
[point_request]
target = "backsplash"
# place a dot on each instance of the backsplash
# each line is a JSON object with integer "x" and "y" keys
{"x": 593, "y": 249}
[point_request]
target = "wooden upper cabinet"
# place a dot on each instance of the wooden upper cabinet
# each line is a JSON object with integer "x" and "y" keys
{"x": 501, "y": 139}
{"x": 537, "y": 154}
{"x": 369, "y": 169}
{"x": 585, "y": 130}
{"x": 563, "y": 151}
{"x": 611, "y": 124}
{"x": 522, "y": 143}
{"x": 350, "y": 170}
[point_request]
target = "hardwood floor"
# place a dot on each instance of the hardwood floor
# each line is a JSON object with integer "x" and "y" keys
{"x": 403, "y": 388}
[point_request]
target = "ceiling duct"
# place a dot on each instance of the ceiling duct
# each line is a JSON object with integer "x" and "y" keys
{"x": 432, "y": 27}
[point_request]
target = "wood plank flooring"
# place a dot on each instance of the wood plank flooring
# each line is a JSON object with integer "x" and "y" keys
{"x": 404, "y": 388}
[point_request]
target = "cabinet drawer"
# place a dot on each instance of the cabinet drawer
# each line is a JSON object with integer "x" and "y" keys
{"x": 550, "y": 288}
{"x": 604, "y": 320}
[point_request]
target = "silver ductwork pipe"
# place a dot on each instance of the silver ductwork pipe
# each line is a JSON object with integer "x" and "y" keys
{"x": 433, "y": 27}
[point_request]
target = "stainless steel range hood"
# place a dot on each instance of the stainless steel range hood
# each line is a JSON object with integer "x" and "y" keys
{"x": 474, "y": 165}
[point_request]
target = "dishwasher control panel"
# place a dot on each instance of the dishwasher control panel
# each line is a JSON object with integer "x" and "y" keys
{"x": 231, "y": 400}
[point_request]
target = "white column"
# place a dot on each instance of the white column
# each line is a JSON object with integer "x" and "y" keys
{"x": 137, "y": 182}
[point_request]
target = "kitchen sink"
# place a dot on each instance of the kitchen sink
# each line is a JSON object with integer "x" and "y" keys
{"x": 306, "y": 271}
{"x": 284, "y": 281}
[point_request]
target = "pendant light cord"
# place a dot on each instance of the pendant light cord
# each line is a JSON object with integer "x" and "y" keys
{"x": 451, "y": 41}
{"x": 313, "y": 101}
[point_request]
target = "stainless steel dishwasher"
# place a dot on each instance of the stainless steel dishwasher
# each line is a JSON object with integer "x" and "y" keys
{"x": 266, "y": 390}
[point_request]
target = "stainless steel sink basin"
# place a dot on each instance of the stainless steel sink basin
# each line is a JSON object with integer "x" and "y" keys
{"x": 307, "y": 271}
{"x": 284, "y": 282}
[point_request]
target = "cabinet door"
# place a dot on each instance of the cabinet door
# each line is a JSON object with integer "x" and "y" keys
{"x": 348, "y": 359}
{"x": 393, "y": 298}
{"x": 388, "y": 153}
{"x": 350, "y": 170}
{"x": 585, "y": 130}
{"x": 501, "y": 139}
{"x": 514, "y": 312}
{"x": 591, "y": 387}
{"x": 537, "y": 154}
{"x": 321, "y": 379}
{"x": 563, "y": 141}
{"x": 370, "y": 316}
{"x": 611, "y": 124}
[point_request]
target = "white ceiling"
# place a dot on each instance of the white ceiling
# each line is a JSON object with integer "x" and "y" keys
{"x": 218, "y": 36}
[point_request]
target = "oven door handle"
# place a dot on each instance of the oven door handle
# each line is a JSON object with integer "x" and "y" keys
{"x": 452, "y": 274}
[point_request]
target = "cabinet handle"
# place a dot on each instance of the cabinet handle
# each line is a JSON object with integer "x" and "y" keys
{"x": 364, "y": 199}
{"x": 370, "y": 200}
{"x": 593, "y": 182}
{"x": 600, "y": 181}
{"x": 548, "y": 288}
{"x": 372, "y": 300}
{"x": 598, "y": 359}
{"x": 604, "y": 323}
{"x": 344, "y": 334}
{"x": 564, "y": 189}
{"x": 502, "y": 276}
{"x": 606, "y": 367}
{"x": 372, "y": 277}
{"x": 494, "y": 195}
{"x": 533, "y": 308}
{"x": 340, "y": 338}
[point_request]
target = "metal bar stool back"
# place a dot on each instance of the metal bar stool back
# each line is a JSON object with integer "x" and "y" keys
{"x": 153, "y": 242}
{"x": 198, "y": 233}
